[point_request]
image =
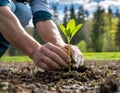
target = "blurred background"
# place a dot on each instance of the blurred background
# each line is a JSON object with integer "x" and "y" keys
{"x": 100, "y": 19}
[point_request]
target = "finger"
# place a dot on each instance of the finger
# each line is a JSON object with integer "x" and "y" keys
{"x": 77, "y": 56}
{"x": 72, "y": 50}
{"x": 82, "y": 61}
{"x": 77, "y": 62}
{"x": 43, "y": 66}
{"x": 74, "y": 53}
{"x": 50, "y": 62}
{"x": 60, "y": 53}
{"x": 56, "y": 58}
{"x": 64, "y": 49}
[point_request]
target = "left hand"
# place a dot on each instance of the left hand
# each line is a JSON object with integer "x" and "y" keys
{"x": 76, "y": 55}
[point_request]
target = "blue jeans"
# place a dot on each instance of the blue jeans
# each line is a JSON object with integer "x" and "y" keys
{"x": 24, "y": 14}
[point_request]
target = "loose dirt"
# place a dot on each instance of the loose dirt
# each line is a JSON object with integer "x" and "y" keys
{"x": 95, "y": 77}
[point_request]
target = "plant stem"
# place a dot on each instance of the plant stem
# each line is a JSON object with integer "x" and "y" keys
{"x": 69, "y": 65}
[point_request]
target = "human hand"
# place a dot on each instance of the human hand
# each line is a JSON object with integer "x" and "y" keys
{"x": 50, "y": 57}
{"x": 76, "y": 55}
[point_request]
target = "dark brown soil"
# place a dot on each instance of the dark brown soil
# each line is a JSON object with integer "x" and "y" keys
{"x": 94, "y": 77}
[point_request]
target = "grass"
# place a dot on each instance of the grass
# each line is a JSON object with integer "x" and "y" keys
{"x": 87, "y": 55}
{"x": 102, "y": 55}
{"x": 15, "y": 59}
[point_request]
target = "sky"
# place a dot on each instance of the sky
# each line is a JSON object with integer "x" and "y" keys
{"x": 90, "y": 5}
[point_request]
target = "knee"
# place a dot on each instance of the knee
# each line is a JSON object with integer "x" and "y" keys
{"x": 23, "y": 12}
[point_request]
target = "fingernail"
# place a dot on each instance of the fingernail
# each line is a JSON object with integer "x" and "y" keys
{"x": 69, "y": 59}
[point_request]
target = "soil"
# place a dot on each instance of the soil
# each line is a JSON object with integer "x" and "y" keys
{"x": 95, "y": 77}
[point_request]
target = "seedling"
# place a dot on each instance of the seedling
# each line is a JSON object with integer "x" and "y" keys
{"x": 69, "y": 31}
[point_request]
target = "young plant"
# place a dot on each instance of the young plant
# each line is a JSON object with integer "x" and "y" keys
{"x": 69, "y": 31}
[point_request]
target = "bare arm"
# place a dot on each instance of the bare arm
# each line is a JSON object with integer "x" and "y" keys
{"x": 47, "y": 57}
{"x": 49, "y": 32}
{"x": 14, "y": 32}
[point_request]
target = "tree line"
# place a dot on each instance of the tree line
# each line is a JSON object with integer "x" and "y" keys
{"x": 98, "y": 34}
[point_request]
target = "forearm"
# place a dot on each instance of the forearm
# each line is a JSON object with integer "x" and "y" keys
{"x": 42, "y": 19}
{"x": 49, "y": 32}
{"x": 14, "y": 32}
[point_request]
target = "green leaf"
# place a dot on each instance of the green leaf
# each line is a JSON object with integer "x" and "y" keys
{"x": 71, "y": 24}
{"x": 76, "y": 29}
{"x": 68, "y": 33}
{"x": 62, "y": 28}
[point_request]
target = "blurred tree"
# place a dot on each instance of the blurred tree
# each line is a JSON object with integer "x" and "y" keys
{"x": 98, "y": 30}
{"x": 117, "y": 13}
{"x": 72, "y": 12}
{"x": 117, "y": 36}
{"x": 82, "y": 46}
{"x": 87, "y": 28}
{"x": 37, "y": 37}
{"x": 65, "y": 19}
{"x": 108, "y": 38}
{"x": 12, "y": 50}
{"x": 79, "y": 18}
{"x": 110, "y": 17}
{"x": 55, "y": 14}
{"x": 80, "y": 15}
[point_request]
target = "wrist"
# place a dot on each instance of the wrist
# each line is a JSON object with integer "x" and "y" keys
{"x": 60, "y": 43}
{"x": 33, "y": 51}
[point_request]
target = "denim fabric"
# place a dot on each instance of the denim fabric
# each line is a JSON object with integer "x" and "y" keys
{"x": 24, "y": 15}
{"x": 39, "y": 5}
{"x": 41, "y": 15}
{"x": 4, "y": 3}
{"x": 40, "y": 10}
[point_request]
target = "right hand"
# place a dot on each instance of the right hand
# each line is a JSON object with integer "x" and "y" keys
{"x": 50, "y": 57}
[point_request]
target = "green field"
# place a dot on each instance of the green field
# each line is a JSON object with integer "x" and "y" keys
{"x": 102, "y": 56}
{"x": 88, "y": 56}
{"x": 15, "y": 59}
